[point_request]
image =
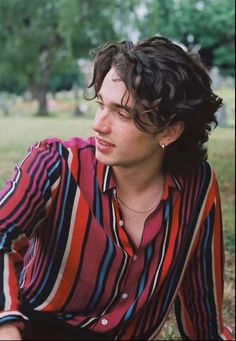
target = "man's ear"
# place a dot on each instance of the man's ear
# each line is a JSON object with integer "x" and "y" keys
{"x": 171, "y": 133}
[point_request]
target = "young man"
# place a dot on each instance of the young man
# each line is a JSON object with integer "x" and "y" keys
{"x": 116, "y": 229}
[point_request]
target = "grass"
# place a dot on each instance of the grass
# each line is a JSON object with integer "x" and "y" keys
{"x": 17, "y": 133}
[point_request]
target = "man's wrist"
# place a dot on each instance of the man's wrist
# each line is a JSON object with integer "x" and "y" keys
{"x": 9, "y": 331}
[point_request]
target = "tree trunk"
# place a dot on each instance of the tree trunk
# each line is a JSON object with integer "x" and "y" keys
{"x": 77, "y": 111}
{"x": 42, "y": 103}
{"x": 44, "y": 84}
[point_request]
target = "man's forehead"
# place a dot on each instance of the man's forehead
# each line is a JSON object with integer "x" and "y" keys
{"x": 115, "y": 90}
{"x": 113, "y": 76}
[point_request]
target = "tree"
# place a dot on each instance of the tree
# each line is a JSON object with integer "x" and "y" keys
{"x": 41, "y": 40}
{"x": 207, "y": 24}
{"x": 33, "y": 46}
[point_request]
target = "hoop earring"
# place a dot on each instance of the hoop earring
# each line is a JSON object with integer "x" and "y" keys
{"x": 163, "y": 146}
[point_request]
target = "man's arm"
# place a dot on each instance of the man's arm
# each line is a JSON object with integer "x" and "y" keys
{"x": 198, "y": 306}
{"x": 24, "y": 204}
{"x": 9, "y": 332}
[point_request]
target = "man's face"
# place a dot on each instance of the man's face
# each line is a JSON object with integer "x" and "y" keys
{"x": 118, "y": 141}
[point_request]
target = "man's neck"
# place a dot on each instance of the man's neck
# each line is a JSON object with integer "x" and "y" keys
{"x": 135, "y": 180}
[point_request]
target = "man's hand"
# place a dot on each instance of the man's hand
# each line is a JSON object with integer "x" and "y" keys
{"x": 9, "y": 332}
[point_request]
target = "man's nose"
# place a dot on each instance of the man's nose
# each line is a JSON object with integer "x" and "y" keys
{"x": 102, "y": 122}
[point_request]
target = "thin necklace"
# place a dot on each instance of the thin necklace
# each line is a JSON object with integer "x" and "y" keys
{"x": 146, "y": 211}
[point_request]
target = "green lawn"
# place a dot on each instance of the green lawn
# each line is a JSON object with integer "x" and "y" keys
{"x": 16, "y": 134}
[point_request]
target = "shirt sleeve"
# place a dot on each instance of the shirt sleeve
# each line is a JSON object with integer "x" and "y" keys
{"x": 24, "y": 204}
{"x": 198, "y": 306}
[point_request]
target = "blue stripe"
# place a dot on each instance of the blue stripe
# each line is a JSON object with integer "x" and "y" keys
{"x": 167, "y": 210}
{"x": 11, "y": 318}
{"x": 49, "y": 174}
{"x": 5, "y": 235}
{"x": 54, "y": 167}
{"x": 56, "y": 242}
{"x": 97, "y": 204}
{"x": 142, "y": 283}
{"x": 144, "y": 277}
{"x": 102, "y": 276}
{"x": 206, "y": 289}
{"x": 46, "y": 187}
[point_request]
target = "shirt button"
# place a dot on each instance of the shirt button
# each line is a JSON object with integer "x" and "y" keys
{"x": 125, "y": 295}
{"x": 104, "y": 322}
{"x": 121, "y": 223}
{"x": 135, "y": 258}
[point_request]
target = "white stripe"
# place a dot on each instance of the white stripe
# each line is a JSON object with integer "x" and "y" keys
{"x": 114, "y": 224}
{"x": 70, "y": 157}
{"x": 18, "y": 175}
{"x": 55, "y": 185}
{"x": 91, "y": 320}
{"x": 162, "y": 258}
{"x": 13, "y": 187}
{"x": 65, "y": 257}
{"x": 25, "y": 269}
{"x": 6, "y": 283}
{"x": 30, "y": 152}
{"x": 12, "y": 312}
{"x": 177, "y": 182}
{"x": 105, "y": 178}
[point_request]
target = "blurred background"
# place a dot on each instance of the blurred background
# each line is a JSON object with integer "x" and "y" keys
{"x": 46, "y": 62}
{"x": 46, "y": 44}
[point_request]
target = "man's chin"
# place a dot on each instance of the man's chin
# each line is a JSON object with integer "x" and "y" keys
{"x": 103, "y": 159}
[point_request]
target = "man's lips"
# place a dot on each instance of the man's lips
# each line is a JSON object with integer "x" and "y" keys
{"x": 104, "y": 142}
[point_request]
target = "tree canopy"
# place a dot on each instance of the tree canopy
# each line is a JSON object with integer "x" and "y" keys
{"x": 205, "y": 25}
{"x": 42, "y": 40}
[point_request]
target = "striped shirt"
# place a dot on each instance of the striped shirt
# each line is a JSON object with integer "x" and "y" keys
{"x": 62, "y": 228}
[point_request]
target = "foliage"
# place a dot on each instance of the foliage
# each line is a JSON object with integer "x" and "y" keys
{"x": 42, "y": 40}
{"x": 207, "y": 25}
{"x": 34, "y": 49}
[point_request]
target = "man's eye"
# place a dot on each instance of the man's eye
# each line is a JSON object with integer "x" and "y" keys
{"x": 123, "y": 115}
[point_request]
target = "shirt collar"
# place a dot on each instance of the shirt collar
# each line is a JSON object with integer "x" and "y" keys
{"x": 106, "y": 180}
{"x": 105, "y": 177}
{"x": 173, "y": 182}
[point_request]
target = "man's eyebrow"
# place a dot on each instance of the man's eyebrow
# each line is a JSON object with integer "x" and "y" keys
{"x": 117, "y": 105}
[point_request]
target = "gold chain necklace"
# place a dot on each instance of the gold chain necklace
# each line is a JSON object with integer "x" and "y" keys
{"x": 141, "y": 212}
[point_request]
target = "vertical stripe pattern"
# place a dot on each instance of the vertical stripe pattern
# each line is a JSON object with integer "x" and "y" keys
{"x": 61, "y": 225}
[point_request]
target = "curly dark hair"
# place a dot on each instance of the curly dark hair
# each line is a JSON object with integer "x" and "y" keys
{"x": 168, "y": 85}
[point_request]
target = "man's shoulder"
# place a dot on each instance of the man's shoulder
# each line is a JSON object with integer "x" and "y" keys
{"x": 204, "y": 169}
{"x": 74, "y": 144}
{"x": 79, "y": 143}
{"x": 201, "y": 176}
{"x": 82, "y": 150}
